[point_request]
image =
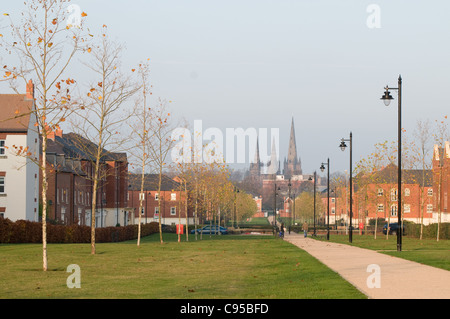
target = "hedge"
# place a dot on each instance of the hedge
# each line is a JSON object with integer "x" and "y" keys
{"x": 23, "y": 231}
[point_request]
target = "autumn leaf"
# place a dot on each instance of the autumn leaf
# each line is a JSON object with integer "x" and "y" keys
{"x": 100, "y": 84}
{"x": 50, "y": 44}
{"x": 83, "y": 14}
{"x": 7, "y": 73}
{"x": 54, "y": 21}
{"x": 58, "y": 85}
{"x": 89, "y": 50}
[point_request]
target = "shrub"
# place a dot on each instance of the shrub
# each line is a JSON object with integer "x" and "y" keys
{"x": 23, "y": 231}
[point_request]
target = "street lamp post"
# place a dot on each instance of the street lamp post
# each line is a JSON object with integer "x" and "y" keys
{"x": 322, "y": 168}
{"x": 314, "y": 203}
{"x": 386, "y": 98}
{"x": 343, "y": 146}
{"x": 275, "y": 208}
{"x": 289, "y": 201}
{"x": 236, "y": 190}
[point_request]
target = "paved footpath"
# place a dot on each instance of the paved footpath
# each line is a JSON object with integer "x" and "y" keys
{"x": 398, "y": 278}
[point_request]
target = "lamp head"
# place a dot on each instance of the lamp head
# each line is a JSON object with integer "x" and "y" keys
{"x": 322, "y": 168}
{"x": 343, "y": 146}
{"x": 387, "y": 97}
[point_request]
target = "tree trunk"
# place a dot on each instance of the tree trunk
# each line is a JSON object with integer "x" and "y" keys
{"x": 44, "y": 202}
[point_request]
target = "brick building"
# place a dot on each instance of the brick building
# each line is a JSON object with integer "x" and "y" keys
{"x": 441, "y": 183}
{"x": 70, "y": 183}
{"x": 376, "y": 196}
{"x": 172, "y": 197}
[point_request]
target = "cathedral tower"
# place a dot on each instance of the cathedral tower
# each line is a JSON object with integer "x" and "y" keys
{"x": 293, "y": 164}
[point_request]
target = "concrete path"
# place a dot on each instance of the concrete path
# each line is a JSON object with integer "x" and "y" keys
{"x": 377, "y": 275}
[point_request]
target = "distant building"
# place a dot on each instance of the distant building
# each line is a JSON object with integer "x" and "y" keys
{"x": 270, "y": 176}
{"x": 19, "y": 176}
{"x": 171, "y": 199}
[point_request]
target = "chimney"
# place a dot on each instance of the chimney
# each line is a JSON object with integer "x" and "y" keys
{"x": 30, "y": 90}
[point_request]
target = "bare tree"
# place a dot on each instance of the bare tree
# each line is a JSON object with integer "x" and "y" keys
{"x": 104, "y": 112}
{"x": 44, "y": 46}
{"x": 441, "y": 136}
{"x": 422, "y": 156}
{"x": 141, "y": 134}
{"x": 160, "y": 146}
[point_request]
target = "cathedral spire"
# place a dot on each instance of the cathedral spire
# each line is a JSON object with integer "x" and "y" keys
{"x": 292, "y": 153}
{"x": 293, "y": 163}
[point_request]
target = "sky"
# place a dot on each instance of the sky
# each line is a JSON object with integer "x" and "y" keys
{"x": 260, "y": 63}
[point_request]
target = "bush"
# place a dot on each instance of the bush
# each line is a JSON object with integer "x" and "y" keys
{"x": 23, "y": 231}
{"x": 429, "y": 231}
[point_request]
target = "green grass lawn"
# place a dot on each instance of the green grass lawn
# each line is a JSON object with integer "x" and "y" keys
{"x": 222, "y": 267}
{"x": 426, "y": 251}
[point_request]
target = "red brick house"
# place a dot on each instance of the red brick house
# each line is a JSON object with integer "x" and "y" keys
{"x": 172, "y": 197}
{"x": 70, "y": 184}
{"x": 376, "y": 196}
{"x": 441, "y": 183}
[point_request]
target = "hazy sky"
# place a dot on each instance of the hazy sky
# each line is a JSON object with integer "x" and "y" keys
{"x": 258, "y": 63}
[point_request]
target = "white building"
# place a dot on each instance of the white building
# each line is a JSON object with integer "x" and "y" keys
{"x": 19, "y": 147}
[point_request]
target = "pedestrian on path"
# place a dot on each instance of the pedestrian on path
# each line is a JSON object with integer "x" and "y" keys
{"x": 305, "y": 229}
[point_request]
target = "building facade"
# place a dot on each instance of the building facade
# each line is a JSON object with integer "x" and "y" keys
{"x": 19, "y": 157}
{"x": 70, "y": 172}
{"x": 170, "y": 204}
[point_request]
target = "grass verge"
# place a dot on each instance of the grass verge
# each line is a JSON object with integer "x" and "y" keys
{"x": 217, "y": 267}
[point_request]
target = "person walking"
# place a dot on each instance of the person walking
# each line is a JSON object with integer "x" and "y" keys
{"x": 305, "y": 229}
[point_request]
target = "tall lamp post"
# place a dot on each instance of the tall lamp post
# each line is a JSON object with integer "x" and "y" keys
{"x": 322, "y": 168}
{"x": 387, "y": 98}
{"x": 314, "y": 203}
{"x": 236, "y": 190}
{"x": 343, "y": 146}
{"x": 289, "y": 201}
{"x": 275, "y": 207}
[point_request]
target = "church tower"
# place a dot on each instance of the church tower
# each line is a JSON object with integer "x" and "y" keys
{"x": 255, "y": 167}
{"x": 293, "y": 164}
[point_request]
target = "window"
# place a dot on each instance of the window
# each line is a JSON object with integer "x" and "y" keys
{"x": 2, "y": 185}
{"x": 333, "y": 211}
{"x": 393, "y": 195}
{"x": 333, "y": 200}
{"x": 407, "y": 192}
{"x": 156, "y": 215}
{"x": 173, "y": 196}
{"x": 380, "y": 192}
{"x": 380, "y": 208}
{"x": 393, "y": 210}
{"x": 2, "y": 147}
{"x": 429, "y": 208}
{"x": 156, "y": 196}
{"x": 430, "y": 192}
{"x": 142, "y": 196}
{"x": 407, "y": 208}
{"x": 173, "y": 211}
